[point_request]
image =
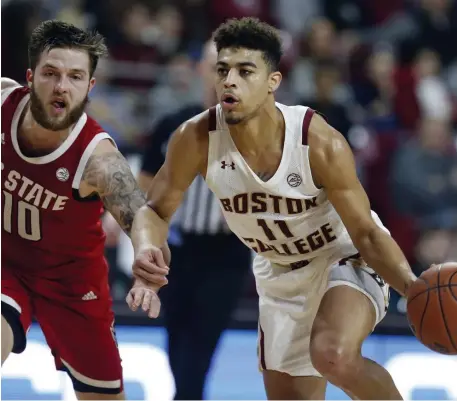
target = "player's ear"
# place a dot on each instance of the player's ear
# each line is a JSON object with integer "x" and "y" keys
{"x": 29, "y": 77}
{"x": 92, "y": 83}
{"x": 274, "y": 80}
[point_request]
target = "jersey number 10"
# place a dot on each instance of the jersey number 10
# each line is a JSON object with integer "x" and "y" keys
{"x": 28, "y": 218}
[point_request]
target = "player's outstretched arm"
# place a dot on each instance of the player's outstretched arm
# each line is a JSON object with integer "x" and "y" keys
{"x": 186, "y": 158}
{"x": 108, "y": 174}
{"x": 333, "y": 168}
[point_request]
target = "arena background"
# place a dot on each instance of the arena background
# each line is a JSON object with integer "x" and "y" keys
{"x": 384, "y": 72}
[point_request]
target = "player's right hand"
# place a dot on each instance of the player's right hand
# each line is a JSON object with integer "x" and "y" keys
{"x": 144, "y": 295}
{"x": 149, "y": 265}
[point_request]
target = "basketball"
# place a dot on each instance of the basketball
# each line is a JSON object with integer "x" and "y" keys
{"x": 432, "y": 308}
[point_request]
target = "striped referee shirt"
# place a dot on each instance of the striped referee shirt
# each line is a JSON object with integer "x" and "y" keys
{"x": 200, "y": 212}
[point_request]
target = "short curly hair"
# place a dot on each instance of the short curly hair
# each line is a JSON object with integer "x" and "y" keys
{"x": 251, "y": 33}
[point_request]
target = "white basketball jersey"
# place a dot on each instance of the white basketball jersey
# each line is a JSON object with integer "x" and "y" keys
{"x": 285, "y": 219}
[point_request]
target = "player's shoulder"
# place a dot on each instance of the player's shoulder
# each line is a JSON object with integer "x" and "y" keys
{"x": 296, "y": 111}
{"x": 91, "y": 135}
{"x": 326, "y": 144}
{"x": 197, "y": 127}
{"x": 8, "y": 83}
{"x": 91, "y": 125}
{"x": 12, "y": 91}
{"x": 295, "y": 108}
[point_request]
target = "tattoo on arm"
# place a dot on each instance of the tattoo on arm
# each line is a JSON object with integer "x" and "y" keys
{"x": 110, "y": 174}
{"x": 264, "y": 176}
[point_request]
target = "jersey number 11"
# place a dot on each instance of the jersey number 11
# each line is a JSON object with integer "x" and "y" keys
{"x": 269, "y": 233}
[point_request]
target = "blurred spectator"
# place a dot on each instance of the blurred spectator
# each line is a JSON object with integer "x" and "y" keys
{"x": 424, "y": 186}
{"x": 296, "y": 16}
{"x": 167, "y": 31}
{"x": 372, "y": 21}
{"x": 436, "y": 22}
{"x": 432, "y": 93}
{"x": 320, "y": 46}
{"x": 179, "y": 86}
{"x": 329, "y": 97}
{"x": 135, "y": 58}
{"x": 376, "y": 92}
{"x": 114, "y": 108}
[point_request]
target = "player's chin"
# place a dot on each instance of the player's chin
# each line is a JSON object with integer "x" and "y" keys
{"x": 232, "y": 118}
{"x": 58, "y": 123}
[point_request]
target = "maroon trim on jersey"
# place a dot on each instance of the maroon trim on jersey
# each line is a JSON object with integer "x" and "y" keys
{"x": 262, "y": 349}
{"x": 212, "y": 122}
{"x": 305, "y": 126}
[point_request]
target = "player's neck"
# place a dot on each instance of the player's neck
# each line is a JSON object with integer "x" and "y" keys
{"x": 35, "y": 135}
{"x": 261, "y": 131}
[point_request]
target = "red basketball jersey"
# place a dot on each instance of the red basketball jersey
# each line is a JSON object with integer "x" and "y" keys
{"x": 45, "y": 223}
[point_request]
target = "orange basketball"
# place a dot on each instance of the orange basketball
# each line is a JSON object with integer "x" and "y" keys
{"x": 432, "y": 308}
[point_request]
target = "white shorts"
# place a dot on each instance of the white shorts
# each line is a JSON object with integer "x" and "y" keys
{"x": 289, "y": 300}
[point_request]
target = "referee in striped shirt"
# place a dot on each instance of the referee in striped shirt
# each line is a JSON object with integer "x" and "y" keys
{"x": 209, "y": 264}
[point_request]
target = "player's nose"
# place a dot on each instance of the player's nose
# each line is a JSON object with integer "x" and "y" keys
{"x": 230, "y": 79}
{"x": 61, "y": 85}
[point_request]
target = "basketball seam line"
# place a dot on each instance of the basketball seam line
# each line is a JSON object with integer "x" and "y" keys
{"x": 452, "y": 285}
{"x": 432, "y": 288}
{"x": 442, "y": 310}
{"x": 425, "y": 308}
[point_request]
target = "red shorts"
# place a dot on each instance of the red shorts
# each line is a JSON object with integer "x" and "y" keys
{"x": 72, "y": 304}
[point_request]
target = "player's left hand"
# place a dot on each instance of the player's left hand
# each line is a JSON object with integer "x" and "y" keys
{"x": 144, "y": 295}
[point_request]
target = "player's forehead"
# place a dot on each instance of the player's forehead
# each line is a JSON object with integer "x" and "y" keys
{"x": 233, "y": 56}
{"x": 65, "y": 59}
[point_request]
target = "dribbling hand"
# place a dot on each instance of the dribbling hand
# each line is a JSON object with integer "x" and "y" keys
{"x": 145, "y": 296}
{"x": 149, "y": 265}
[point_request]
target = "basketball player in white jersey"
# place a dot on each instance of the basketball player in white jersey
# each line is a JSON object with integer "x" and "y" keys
{"x": 288, "y": 187}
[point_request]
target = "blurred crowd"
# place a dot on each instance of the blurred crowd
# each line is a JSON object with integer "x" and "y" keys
{"x": 383, "y": 72}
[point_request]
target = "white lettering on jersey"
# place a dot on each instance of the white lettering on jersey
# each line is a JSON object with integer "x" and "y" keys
{"x": 33, "y": 192}
{"x": 26, "y": 213}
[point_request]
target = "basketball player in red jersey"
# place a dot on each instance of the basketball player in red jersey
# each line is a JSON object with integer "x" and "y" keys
{"x": 318, "y": 299}
{"x": 59, "y": 169}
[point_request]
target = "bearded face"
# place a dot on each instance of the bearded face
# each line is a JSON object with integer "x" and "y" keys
{"x": 59, "y": 87}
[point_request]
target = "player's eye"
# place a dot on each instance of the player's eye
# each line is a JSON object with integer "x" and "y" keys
{"x": 222, "y": 71}
{"x": 48, "y": 74}
{"x": 77, "y": 77}
{"x": 245, "y": 73}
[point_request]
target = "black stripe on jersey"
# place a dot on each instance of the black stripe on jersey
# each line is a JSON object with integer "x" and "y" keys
{"x": 90, "y": 198}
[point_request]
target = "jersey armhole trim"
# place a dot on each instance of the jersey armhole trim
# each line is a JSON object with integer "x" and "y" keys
{"x": 7, "y": 92}
{"x": 309, "y": 113}
{"x": 305, "y": 125}
{"x": 212, "y": 121}
{"x": 86, "y": 155}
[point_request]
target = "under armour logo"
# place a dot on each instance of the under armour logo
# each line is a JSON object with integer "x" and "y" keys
{"x": 224, "y": 164}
